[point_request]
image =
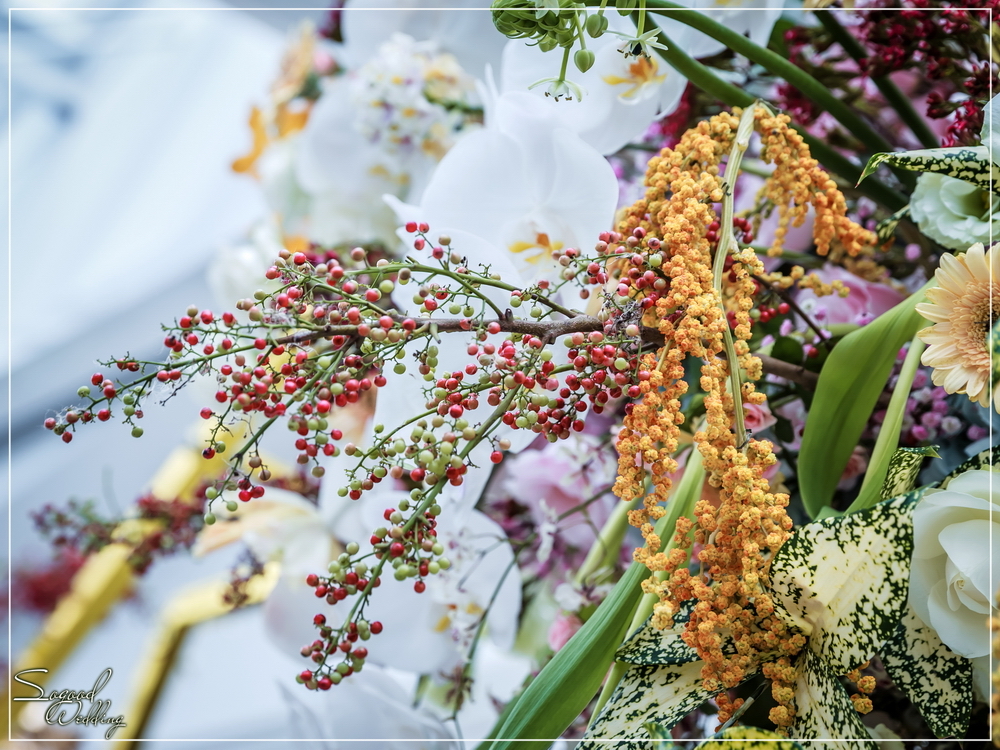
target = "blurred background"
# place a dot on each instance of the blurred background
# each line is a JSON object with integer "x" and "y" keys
{"x": 121, "y": 128}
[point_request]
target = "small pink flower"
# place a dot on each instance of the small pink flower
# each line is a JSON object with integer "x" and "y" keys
{"x": 758, "y": 418}
{"x": 562, "y": 629}
{"x": 564, "y": 474}
{"x": 794, "y": 412}
{"x": 865, "y": 297}
{"x": 857, "y": 465}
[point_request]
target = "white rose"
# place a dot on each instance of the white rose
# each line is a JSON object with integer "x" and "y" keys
{"x": 954, "y": 212}
{"x": 952, "y": 566}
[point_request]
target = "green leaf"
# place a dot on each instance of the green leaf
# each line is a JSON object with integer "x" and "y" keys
{"x": 651, "y": 646}
{"x": 935, "y": 679}
{"x": 647, "y": 693}
{"x": 662, "y": 739}
{"x": 745, "y": 740}
{"x": 843, "y": 581}
{"x": 886, "y": 228}
{"x": 566, "y": 684}
{"x": 824, "y": 709}
{"x": 904, "y": 466}
{"x": 848, "y": 388}
{"x": 971, "y": 164}
{"x": 788, "y": 349}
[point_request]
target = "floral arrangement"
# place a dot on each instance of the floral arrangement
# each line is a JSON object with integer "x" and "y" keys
{"x": 645, "y": 352}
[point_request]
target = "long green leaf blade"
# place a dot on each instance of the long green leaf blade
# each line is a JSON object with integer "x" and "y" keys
{"x": 849, "y": 386}
{"x": 567, "y": 683}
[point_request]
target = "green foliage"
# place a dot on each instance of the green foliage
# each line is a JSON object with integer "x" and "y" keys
{"x": 567, "y": 683}
{"x": 849, "y": 386}
{"x": 971, "y": 164}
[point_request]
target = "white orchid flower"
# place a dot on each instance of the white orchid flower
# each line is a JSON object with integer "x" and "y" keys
{"x": 423, "y": 633}
{"x": 753, "y": 18}
{"x": 462, "y": 27}
{"x": 238, "y": 270}
{"x": 623, "y": 95}
{"x": 508, "y": 196}
{"x": 372, "y": 705}
{"x": 526, "y": 185}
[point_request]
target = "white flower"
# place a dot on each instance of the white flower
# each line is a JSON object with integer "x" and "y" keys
{"x": 952, "y": 568}
{"x": 753, "y": 18}
{"x": 525, "y": 185}
{"x": 509, "y": 196}
{"x": 622, "y": 95}
{"x": 954, "y": 212}
{"x": 238, "y": 270}
{"x": 462, "y": 27}
{"x": 381, "y": 128}
{"x": 990, "y": 134}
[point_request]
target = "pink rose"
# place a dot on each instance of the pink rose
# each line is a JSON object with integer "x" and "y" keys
{"x": 865, "y": 301}
{"x": 757, "y": 418}
{"x": 562, "y": 629}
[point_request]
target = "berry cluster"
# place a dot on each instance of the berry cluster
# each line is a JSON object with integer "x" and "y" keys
{"x": 329, "y": 330}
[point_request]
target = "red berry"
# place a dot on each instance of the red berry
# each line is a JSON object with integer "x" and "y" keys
{"x": 376, "y": 627}
{"x": 306, "y": 675}
{"x": 96, "y": 378}
{"x": 420, "y": 587}
{"x": 206, "y": 413}
{"x": 67, "y": 436}
{"x": 496, "y": 457}
{"x": 323, "y": 683}
{"x": 312, "y": 580}
{"x": 411, "y": 226}
{"x": 395, "y": 549}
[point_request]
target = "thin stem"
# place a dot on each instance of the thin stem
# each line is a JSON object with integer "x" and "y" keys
{"x": 824, "y": 336}
{"x": 896, "y": 99}
{"x": 777, "y": 65}
{"x": 727, "y": 243}
{"x": 888, "y": 436}
{"x": 734, "y": 96}
{"x": 611, "y": 537}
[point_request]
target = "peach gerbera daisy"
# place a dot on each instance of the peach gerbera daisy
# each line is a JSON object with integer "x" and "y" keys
{"x": 964, "y": 307}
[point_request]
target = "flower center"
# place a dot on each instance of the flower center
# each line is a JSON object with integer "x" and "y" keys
{"x": 542, "y": 247}
{"x": 641, "y": 73}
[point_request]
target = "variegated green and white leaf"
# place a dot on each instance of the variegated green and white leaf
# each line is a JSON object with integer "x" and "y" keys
{"x": 969, "y": 163}
{"x": 660, "y": 694}
{"x": 661, "y": 738}
{"x": 748, "y": 738}
{"x": 935, "y": 679}
{"x": 886, "y": 228}
{"x": 824, "y": 710}
{"x": 843, "y": 581}
{"x": 651, "y": 646}
{"x": 904, "y": 466}
{"x": 987, "y": 459}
